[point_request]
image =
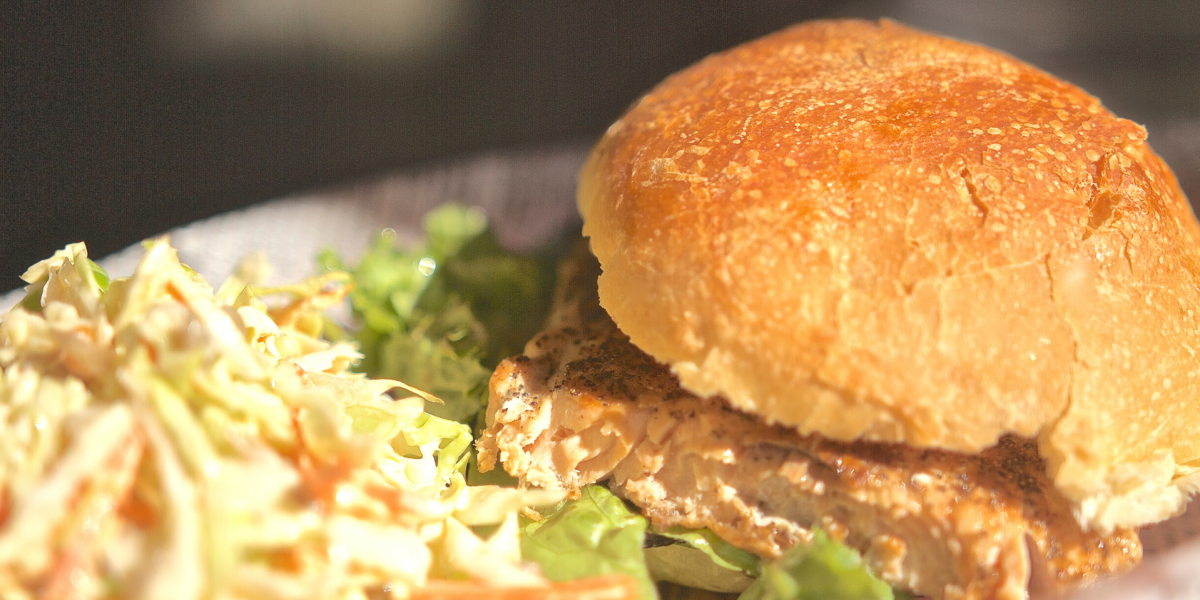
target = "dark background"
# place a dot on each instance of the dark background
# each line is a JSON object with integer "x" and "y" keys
{"x": 120, "y": 121}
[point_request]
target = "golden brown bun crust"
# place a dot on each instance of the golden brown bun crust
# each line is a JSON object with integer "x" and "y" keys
{"x": 863, "y": 230}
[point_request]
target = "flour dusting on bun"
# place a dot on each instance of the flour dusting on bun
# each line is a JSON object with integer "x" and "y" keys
{"x": 864, "y": 231}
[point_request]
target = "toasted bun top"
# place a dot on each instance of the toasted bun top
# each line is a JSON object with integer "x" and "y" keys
{"x": 862, "y": 230}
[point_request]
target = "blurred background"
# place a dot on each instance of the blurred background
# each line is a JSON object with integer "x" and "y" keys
{"x": 123, "y": 119}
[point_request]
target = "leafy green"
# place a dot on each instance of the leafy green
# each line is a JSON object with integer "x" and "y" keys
{"x": 701, "y": 559}
{"x": 100, "y": 275}
{"x": 683, "y": 565}
{"x": 441, "y": 314}
{"x": 824, "y": 569}
{"x": 718, "y": 550}
{"x": 593, "y": 535}
{"x": 32, "y": 301}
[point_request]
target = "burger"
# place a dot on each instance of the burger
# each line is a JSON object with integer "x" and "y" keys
{"x": 906, "y": 290}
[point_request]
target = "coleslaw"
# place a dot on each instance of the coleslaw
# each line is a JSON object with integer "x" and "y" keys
{"x": 159, "y": 438}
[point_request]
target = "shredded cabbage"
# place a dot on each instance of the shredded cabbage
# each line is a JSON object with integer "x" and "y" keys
{"x": 162, "y": 439}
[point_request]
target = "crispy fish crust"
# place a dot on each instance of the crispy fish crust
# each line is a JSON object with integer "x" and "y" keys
{"x": 584, "y": 405}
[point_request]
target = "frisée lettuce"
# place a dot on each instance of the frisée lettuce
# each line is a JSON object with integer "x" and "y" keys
{"x": 441, "y": 313}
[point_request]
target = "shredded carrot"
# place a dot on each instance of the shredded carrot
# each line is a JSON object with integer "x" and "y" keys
{"x": 607, "y": 587}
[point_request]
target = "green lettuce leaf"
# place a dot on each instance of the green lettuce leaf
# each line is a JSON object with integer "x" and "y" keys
{"x": 441, "y": 314}
{"x": 683, "y": 565}
{"x": 701, "y": 559}
{"x": 591, "y": 536}
{"x": 821, "y": 570}
{"x": 718, "y": 550}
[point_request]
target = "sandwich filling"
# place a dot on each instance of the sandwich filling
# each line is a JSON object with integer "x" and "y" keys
{"x": 584, "y": 405}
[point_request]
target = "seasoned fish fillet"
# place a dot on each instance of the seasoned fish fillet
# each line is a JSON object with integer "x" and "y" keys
{"x": 584, "y": 405}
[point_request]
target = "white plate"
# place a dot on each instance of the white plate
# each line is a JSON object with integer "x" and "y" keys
{"x": 529, "y": 196}
{"x": 530, "y": 199}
